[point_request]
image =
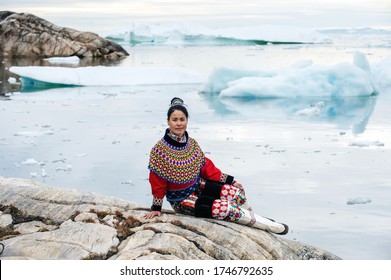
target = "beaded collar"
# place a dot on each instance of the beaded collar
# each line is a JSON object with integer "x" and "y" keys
{"x": 176, "y": 162}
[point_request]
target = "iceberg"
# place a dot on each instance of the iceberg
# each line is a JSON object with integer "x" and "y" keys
{"x": 194, "y": 34}
{"x": 302, "y": 79}
{"x": 73, "y": 60}
{"x": 344, "y": 94}
{"x": 382, "y": 74}
{"x": 41, "y": 77}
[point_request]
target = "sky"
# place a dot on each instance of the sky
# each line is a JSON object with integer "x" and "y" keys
{"x": 103, "y": 15}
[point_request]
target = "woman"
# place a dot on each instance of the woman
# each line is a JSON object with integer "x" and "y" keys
{"x": 191, "y": 182}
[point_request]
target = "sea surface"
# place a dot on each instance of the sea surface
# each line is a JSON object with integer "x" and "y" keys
{"x": 326, "y": 175}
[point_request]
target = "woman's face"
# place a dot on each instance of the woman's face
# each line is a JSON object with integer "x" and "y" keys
{"x": 177, "y": 123}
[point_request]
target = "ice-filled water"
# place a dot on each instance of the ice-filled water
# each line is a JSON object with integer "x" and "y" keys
{"x": 315, "y": 156}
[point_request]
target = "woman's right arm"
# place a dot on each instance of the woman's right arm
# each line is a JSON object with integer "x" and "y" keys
{"x": 158, "y": 187}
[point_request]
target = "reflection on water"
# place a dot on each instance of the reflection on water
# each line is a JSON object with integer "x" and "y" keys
{"x": 345, "y": 112}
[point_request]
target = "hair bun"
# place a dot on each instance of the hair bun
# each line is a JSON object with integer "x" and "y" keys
{"x": 176, "y": 101}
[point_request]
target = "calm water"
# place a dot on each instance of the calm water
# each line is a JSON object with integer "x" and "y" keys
{"x": 301, "y": 170}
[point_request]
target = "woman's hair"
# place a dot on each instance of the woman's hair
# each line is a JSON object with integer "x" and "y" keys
{"x": 177, "y": 104}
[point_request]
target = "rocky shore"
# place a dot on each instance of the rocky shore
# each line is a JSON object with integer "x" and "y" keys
{"x": 42, "y": 222}
{"x": 26, "y": 35}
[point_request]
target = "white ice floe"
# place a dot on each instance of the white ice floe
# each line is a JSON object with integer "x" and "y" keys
{"x": 81, "y": 155}
{"x": 128, "y": 182}
{"x": 34, "y": 133}
{"x": 302, "y": 79}
{"x": 106, "y": 76}
{"x": 30, "y": 161}
{"x": 358, "y": 200}
{"x": 12, "y": 80}
{"x": 366, "y": 143}
{"x": 43, "y": 173}
{"x": 311, "y": 111}
{"x": 63, "y": 60}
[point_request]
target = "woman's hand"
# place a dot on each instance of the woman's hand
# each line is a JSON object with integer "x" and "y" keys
{"x": 152, "y": 214}
{"x": 238, "y": 185}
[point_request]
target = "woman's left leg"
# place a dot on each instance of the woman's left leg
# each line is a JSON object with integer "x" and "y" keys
{"x": 228, "y": 192}
{"x": 220, "y": 209}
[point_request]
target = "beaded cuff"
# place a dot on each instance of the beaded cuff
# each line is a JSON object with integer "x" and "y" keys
{"x": 157, "y": 203}
{"x": 227, "y": 179}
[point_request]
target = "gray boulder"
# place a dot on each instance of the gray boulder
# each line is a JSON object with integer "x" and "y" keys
{"x": 57, "y": 223}
{"x": 23, "y": 34}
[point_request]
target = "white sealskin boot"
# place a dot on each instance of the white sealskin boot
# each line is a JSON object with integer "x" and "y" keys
{"x": 253, "y": 220}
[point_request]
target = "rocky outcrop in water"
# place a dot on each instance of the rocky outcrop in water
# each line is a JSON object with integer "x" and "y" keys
{"x": 23, "y": 34}
{"x": 42, "y": 222}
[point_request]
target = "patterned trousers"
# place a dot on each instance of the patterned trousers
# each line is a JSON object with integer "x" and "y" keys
{"x": 214, "y": 200}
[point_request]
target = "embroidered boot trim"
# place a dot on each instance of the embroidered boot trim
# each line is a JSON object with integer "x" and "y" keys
{"x": 233, "y": 194}
{"x": 224, "y": 210}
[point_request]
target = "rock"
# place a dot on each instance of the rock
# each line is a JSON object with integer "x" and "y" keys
{"x": 83, "y": 225}
{"x": 55, "y": 204}
{"x": 5, "y": 220}
{"x": 24, "y": 34}
{"x": 33, "y": 226}
{"x": 87, "y": 218}
{"x": 74, "y": 241}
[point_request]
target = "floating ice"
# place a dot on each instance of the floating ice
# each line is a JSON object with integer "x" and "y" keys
{"x": 30, "y": 161}
{"x": 382, "y": 73}
{"x": 46, "y": 76}
{"x": 43, "y": 173}
{"x": 358, "y": 200}
{"x": 366, "y": 143}
{"x": 185, "y": 33}
{"x": 360, "y": 61}
{"x": 219, "y": 78}
{"x": 63, "y": 60}
{"x": 34, "y": 133}
{"x": 67, "y": 168}
{"x": 312, "y": 111}
{"x": 303, "y": 79}
{"x": 128, "y": 182}
{"x": 81, "y": 155}
{"x": 12, "y": 80}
